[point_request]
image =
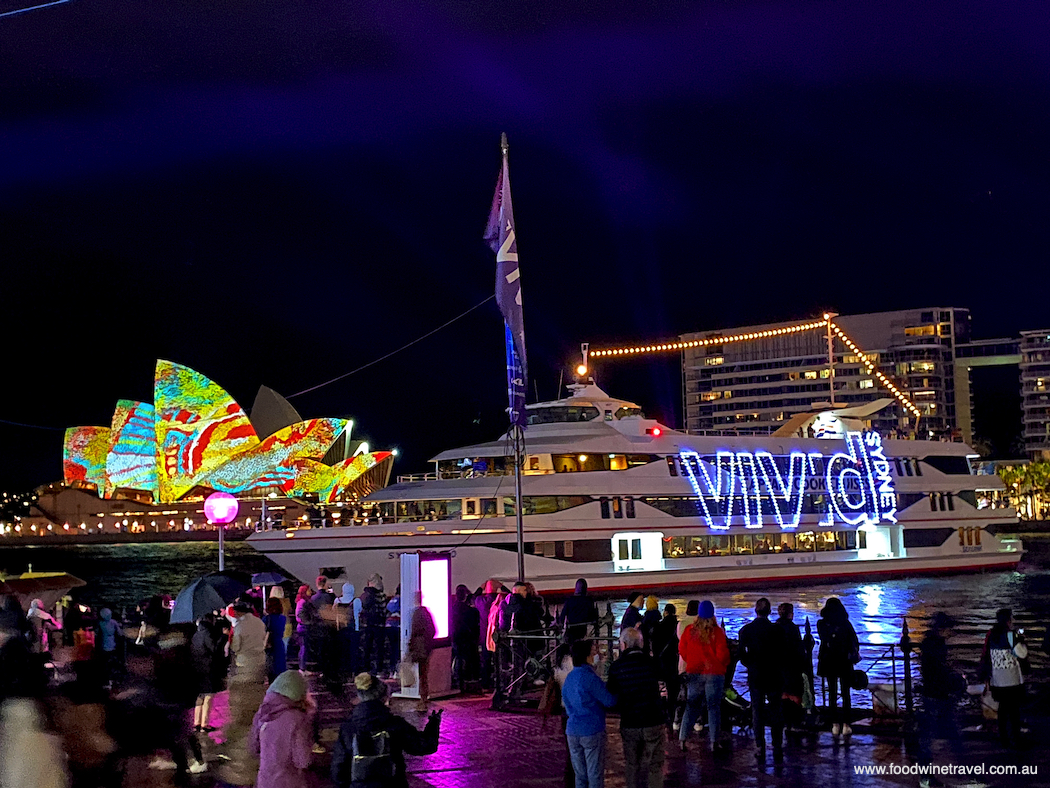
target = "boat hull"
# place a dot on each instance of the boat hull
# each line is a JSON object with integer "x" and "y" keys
{"x": 336, "y": 553}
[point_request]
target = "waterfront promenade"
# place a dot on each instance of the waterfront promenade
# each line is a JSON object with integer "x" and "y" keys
{"x": 481, "y": 748}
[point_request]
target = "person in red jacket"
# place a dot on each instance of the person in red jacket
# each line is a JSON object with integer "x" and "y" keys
{"x": 704, "y": 649}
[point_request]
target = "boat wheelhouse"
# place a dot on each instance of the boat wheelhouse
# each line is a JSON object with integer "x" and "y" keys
{"x": 628, "y": 503}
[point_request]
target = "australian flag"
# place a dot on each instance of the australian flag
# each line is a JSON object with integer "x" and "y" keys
{"x": 500, "y": 236}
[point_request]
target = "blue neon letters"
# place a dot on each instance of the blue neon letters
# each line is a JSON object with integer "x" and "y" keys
{"x": 740, "y": 488}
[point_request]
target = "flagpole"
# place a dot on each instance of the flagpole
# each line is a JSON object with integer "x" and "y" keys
{"x": 500, "y": 236}
{"x": 519, "y": 444}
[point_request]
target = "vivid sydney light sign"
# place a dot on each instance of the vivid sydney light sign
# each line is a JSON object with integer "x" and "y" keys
{"x": 752, "y": 488}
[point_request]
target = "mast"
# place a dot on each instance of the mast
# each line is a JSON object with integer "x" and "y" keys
{"x": 831, "y": 356}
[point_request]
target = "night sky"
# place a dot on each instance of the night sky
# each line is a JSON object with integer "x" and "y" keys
{"x": 277, "y": 193}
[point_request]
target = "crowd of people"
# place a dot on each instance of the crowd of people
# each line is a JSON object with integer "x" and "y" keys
{"x": 138, "y": 686}
{"x": 673, "y": 676}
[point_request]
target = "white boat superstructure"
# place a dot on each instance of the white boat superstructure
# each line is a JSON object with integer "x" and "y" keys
{"x": 627, "y": 503}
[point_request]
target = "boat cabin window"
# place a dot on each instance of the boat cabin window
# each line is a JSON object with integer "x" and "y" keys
{"x": 472, "y": 467}
{"x": 624, "y": 412}
{"x": 762, "y": 543}
{"x": 948, "y": 464}
{"x": 545, "y": 504}
{"x": 561, "y": 414}
{"x": 630, "y": 549}
{"x": 574, "y": 463}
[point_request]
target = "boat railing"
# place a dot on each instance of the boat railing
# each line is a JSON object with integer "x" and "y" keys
{"x": 418, "y": 477}
{"x": 732, "y": 432}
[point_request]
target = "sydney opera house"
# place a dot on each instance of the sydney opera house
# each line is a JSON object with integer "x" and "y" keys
{"x": 152, "y": 467}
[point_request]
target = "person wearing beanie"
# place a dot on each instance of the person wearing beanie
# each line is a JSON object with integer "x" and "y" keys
{"x": 578, "y": 614}
{"x": 381, "y": 734}
{"x": 941, "y": 689}
{"x": 632, "y": 616}
{"x": 705, "y": 650}
{"x": 282, "y": 733}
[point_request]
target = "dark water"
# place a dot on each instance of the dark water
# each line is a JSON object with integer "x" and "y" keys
{"x": 878, "y": 610}
{"x": 120, "y": 575}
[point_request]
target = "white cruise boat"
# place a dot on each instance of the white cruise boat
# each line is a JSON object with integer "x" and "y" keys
{"x": 629, "y": 504}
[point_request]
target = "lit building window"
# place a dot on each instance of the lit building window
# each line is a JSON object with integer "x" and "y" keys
{"x": 811, "y": 374}
{"x": 866, "y": 383}
{"x": 714, "y": 361}
{"x": 920, "y": 331}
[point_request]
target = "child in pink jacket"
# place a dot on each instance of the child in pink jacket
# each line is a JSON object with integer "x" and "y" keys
{"x": 282, "y": 733}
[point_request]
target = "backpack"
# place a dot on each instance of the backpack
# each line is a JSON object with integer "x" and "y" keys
{"x": 308, "y": 615}
{"x": 372, "y": 759}
{"x": 373, "y": 608}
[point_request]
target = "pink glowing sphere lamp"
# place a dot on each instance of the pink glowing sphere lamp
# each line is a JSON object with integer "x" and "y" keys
{"x": 221, "y": 508}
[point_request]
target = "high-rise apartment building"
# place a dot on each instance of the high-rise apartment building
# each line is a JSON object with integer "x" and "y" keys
{"x": 755, "y": 386}
{"x": 1035, "y": 392}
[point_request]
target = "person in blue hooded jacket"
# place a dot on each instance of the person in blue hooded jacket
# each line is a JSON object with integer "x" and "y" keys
{"x": 586, "y": 700}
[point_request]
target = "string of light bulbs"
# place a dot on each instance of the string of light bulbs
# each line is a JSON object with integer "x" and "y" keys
{"x": 751, "y": 336}
{"x": 870, "y": 365}
{"x": 746, "y": 337}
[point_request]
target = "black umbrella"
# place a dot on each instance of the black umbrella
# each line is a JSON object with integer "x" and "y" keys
{"x": 228, "y": 584}
{"x": 195, "y": 601}
{"x": 267, "y": 579}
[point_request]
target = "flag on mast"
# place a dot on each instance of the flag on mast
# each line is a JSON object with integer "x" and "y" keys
{"x": 501, "y": 238}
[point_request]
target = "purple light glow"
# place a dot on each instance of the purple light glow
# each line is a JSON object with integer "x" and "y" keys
{"x": 221, "y": 508}
{"x": 434, "y": 585}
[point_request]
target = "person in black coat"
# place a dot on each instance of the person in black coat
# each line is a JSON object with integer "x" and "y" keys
{"x": 839, "y": 652}
{"x": 466, "y": 631}
{"x": 577, "y": 614}
{"x": 371, "y": 719}
{"x": 209, "y": 670}
{"x": 521, "y": 614}
{"x": 632, "y": 616}
{"x": 665, "y": 652}
{"x": 634, "y": 680}
{"x": 794, "y": 664}
{"x": 763, "y": 648}
{"x": 650, "y": 619}
{"x": 941, "y": 689}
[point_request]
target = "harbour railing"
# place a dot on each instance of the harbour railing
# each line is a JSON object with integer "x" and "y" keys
{"x": 524, "y": 664}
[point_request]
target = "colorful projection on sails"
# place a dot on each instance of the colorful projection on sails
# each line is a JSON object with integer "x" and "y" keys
{"x": 195, "y": 435}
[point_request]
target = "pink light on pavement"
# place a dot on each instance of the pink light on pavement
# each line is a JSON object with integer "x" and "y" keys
{"x": 221, "y": 508}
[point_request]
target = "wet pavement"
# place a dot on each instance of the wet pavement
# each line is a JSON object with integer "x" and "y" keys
{"x": 481, "y": 748}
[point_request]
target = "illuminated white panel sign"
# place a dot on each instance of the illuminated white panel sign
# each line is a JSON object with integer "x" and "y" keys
{"x": 755, "y": 488}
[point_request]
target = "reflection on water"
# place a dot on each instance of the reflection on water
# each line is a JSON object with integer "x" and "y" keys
{"x": 878, "y": 610}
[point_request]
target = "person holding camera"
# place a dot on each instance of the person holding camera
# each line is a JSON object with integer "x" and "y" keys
{"x": 1003, "y": 665}
{"x": 370, "y": 751}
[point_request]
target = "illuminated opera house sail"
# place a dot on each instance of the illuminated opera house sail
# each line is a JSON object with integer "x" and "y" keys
{"x": 195, "y": 438}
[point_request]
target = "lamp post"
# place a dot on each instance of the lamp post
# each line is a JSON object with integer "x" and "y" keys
{"x": 221, "y": 508}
